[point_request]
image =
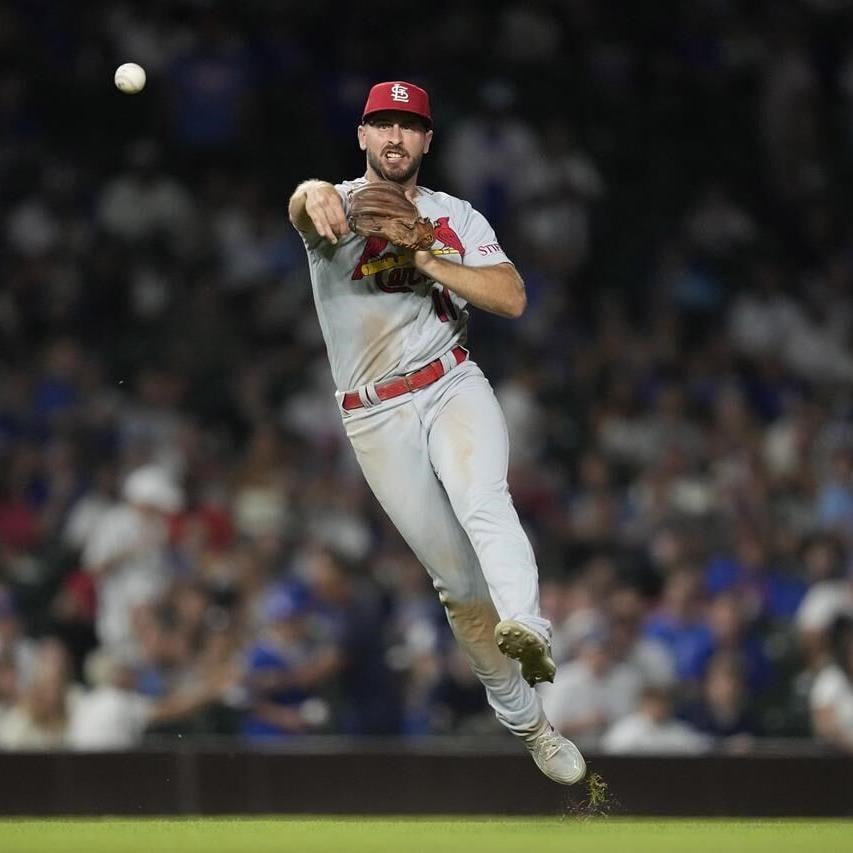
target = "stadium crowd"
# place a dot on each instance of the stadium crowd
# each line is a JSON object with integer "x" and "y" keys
{"x": 186, "y": 544}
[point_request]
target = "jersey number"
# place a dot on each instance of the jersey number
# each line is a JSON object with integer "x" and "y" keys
{"x": 444, "y": 307}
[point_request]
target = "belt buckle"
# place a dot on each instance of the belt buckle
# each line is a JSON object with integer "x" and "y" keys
{"x": 407, "y": 381}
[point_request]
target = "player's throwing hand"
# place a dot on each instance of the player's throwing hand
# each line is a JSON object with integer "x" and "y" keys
{"x": 326, "y": 210}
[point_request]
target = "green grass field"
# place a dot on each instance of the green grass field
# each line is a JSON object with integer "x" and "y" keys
{"x": 431, "y": 835}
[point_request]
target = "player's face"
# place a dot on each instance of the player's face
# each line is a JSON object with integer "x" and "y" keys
{"x": 395, "y": 144}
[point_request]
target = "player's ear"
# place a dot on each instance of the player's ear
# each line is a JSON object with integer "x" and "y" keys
{"x": 362, "y": 138}
{"x": 427, "y": 141}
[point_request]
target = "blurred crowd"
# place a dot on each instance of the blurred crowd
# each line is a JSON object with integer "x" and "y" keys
{"x": 187, "y": 547}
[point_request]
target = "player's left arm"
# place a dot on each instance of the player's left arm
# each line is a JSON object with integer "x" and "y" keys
{"x": 497, "y": 288}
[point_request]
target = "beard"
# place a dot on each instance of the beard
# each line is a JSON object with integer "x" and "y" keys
{"x": 396, "y": 175}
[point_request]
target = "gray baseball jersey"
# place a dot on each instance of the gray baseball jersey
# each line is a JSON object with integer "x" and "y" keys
{"x": 379, "y": 315}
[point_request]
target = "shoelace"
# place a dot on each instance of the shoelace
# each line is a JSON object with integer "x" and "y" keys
{"x": 548, "y": 745}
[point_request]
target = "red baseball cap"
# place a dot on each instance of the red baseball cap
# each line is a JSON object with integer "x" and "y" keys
{"x": 401, "y": 96}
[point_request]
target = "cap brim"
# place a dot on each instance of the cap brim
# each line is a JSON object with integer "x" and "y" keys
{"x": 425, "y": 119}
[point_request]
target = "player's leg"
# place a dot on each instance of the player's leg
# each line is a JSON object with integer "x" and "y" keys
{"x": 390, "y": 443}
{"x": 469, "y": 448}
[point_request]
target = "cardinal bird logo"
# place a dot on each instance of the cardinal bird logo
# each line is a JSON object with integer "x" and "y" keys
{"x": 373, "y": 248}
{"x": 447, "y": 235}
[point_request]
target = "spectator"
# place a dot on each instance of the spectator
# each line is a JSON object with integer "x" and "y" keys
{"x": 144, "y": 204}
{"x": 831, "y": 698}
{"x": 763, "y": 315}
{"x": 593, "y": 691}
{"x": 163, "y": 656}
{"x": 150, "y": 425}
{"x": 89, "y": 509}
{"x": 723, "y": 710}
{"x": 529, "y": 33}
{"x": 127, "y": 554}
{"x": 558, "y": 194}
{"x": 680, "y": 624}
{"x": 790, "y": 88}
{"x": 285, "y": 670}
{"x": 651, "y": 658}
{"x": 524, "y": 414}
{"x": 595, "y": 512}
{"x": 256, "y": 245}
{"x": 146, "y": 34}
{"x": 748, "y": 574}
{"x": 652, "y": 729}
{"x": 19, "y": 520}
{"x": 18, "y": 653}
{"x": 351, "y": 610}
{"x": 72, "y": 617}
{"x": 584, "y": 601}
{"x": 39, "y": 718}
{"x": 834, "y": 508}
{"x": 112, "y": 715}
{"x": 829, "y": 597}
{"x": 261, "y": 498}
{"x": 457, "y": 702}
{"x": 717, "y": 225}
{"x": 486, "y": 155}
{"x": 212, "y": 83}
{"x": 734, "y": 634}
{"x": 438, "y": 686}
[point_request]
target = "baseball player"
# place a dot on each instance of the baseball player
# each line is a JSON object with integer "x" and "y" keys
{"x": 393, "y": 268}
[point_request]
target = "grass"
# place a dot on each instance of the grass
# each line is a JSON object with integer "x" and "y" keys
{"x": 422, "y": 835}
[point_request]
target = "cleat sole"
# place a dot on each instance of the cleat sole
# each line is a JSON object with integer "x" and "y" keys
{"x": 521, "y": 643}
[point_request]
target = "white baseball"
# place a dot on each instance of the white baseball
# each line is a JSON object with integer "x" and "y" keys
{"x": 130, "y": 78}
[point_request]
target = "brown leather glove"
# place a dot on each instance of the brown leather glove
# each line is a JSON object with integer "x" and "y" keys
{"x": 381, "y": 209}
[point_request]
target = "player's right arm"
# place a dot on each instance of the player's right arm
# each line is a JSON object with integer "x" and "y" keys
{"x": 316, "y": 208}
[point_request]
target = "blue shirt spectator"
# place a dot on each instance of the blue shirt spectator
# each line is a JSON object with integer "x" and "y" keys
{"x": 690, "y": 644}
{"x": 680, "y": 624}
{"x": 273, "y": 664}
{"x": 775, "y": 595}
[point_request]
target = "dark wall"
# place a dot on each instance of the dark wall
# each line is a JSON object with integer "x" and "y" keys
{"x": 370, "y": 781}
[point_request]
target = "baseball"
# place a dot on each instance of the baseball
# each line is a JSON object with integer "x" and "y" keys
{"x": 130, "y": 78}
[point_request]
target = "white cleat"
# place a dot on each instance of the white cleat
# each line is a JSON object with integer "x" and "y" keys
{"x": 557, "y": 757}
{"x": 530, "y": 649}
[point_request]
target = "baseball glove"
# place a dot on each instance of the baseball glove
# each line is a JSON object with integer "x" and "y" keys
{"x": 381, "y": 209}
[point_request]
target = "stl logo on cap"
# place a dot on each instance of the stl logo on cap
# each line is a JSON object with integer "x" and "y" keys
{"x": 399, "y": 93}
{"x": 401, "y": 96}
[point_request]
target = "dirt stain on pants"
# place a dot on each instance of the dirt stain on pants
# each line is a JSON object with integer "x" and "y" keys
{"x": 515, "y": 703}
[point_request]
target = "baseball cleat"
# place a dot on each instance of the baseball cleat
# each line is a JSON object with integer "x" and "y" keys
{"x": 556, "y": 756}
{"x": 530, "y": 649}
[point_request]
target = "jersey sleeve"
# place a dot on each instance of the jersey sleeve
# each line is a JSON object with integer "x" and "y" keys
{"x": 481, "y": 245}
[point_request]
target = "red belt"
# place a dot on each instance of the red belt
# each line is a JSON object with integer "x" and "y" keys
{"x": 410, "y": 382}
